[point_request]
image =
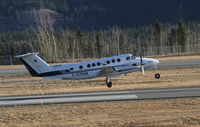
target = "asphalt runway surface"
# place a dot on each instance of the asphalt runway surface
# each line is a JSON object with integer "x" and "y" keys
{"x": 166, "y": 93}
{"x": 105, "y": 96}
{"x": 162, "y": 65}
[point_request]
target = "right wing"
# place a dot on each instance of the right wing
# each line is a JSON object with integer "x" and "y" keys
{"x": 108, "y": 71}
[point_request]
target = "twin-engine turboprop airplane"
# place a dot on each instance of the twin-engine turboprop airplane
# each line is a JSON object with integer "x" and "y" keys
{"x": 108, "y": 67}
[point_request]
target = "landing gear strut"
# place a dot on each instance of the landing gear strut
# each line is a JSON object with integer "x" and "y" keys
{"x": 109, "y": 82}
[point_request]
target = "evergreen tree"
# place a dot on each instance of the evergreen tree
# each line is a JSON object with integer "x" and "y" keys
{"x": 70, "y": 43}
{"x": 158, "y": 37}
{"x": 182, "y": 37}
{"x": 1, "y": 52}
{"x": 172, "y": 41}
{"x": 80, "y": 45}
{"x": 98, "y": 46}
{"x": 122, "y": 43}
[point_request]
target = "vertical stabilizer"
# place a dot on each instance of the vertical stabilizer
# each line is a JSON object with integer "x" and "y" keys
{"x": 34, "y": 63}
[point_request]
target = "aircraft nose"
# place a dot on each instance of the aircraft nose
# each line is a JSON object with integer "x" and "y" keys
{"x": 155, "y": 61}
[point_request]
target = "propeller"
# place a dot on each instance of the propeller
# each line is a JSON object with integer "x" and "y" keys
{"x": 142, "y": 65}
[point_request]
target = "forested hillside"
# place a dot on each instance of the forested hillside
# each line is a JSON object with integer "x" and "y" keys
{"x": 62, "y": 30}
{"x": 98, "y": 14}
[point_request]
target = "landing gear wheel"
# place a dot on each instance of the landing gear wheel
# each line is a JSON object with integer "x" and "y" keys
{"x": 109, "y": 84}
{"x": 157, "y": 75}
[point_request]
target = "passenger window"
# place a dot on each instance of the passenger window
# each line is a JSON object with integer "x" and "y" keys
{"x": 128, "y": 58}
{"x": 118, "y": 60}
{"x": 113, "y": 60}
{"x": 93, "y": 64}
{"x": 98, "y": 63}
{"x": 108, "y": 62}
{"x": 88, "y": 65}
{"x": 81, "y": 67}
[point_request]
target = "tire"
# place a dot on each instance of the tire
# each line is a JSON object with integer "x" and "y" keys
{"x": 109, "y": 84}
{"x": 157, "y": 75}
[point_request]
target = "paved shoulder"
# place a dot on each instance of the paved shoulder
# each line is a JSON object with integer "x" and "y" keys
{"x": 179, "y": 64}
{"x": 102, "y": 96}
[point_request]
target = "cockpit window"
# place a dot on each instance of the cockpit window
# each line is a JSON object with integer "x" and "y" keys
{"x": 128, "y": 58}
{"x": 133, "y": 57}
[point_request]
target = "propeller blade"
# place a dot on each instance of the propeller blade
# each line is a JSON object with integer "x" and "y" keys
{"x": 141, "y": 60}
{"x": 142, "y": 65}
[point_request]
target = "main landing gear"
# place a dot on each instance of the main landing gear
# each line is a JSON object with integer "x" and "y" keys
{"x": 109, "y": 82}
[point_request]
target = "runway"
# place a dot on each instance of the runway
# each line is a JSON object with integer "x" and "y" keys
{"x": 162, "y": 65}
{"x": 105, "y": 96}
{"x": 102, "y": 96}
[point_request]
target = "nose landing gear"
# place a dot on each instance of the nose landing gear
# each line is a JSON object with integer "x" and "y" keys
{"x": 157, "y": 75}
{"x": 109, "y": 83}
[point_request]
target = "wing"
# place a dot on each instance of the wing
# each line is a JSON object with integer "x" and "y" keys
{"x": 108, "y": 71}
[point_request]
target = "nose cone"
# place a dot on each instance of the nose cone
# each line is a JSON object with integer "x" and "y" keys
{"x": 155, "y": 61}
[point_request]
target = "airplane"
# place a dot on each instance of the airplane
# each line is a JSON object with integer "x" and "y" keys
{"x": 108, "y": 67}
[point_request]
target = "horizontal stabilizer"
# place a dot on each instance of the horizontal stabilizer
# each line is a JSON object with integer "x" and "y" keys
{"x": 27, "y": 54}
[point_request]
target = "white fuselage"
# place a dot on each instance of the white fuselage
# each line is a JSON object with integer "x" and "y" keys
{"x": 106, "y": 67}
{"x": 91, "y": 69}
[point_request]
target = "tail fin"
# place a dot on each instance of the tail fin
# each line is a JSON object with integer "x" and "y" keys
{"x": 34, "y": 63}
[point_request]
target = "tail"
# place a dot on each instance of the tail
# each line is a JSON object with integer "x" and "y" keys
{"x": 34, "y": 63}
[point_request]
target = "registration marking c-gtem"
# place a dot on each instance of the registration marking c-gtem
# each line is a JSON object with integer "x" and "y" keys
{"x": 79, "y": 74}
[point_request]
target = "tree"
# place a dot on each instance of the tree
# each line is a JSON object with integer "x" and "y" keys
{"x": 80, "y": 44}
{"x": 158, "y": 37}
{"x": 182, "y": 37}
{"x": 172, "y": 40}
{"x": 98, "y": 46}
{"x": 122, "y": 43}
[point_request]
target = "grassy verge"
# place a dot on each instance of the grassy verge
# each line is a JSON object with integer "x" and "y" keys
{"x": 19, "y": 85}
{"x": 162, "y": 113}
